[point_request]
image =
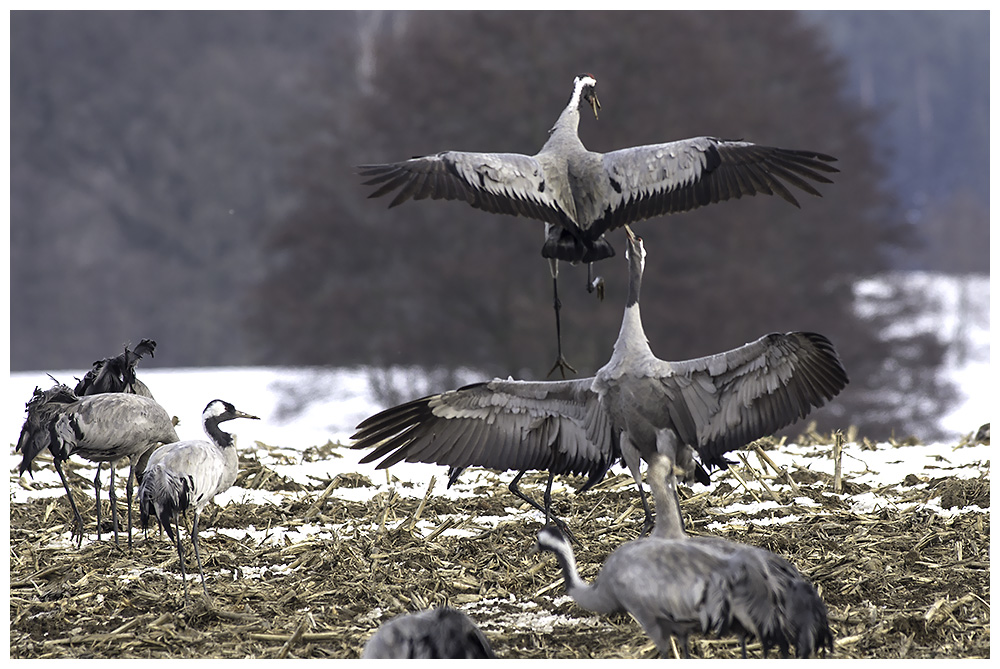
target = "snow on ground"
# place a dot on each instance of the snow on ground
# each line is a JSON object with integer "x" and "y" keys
{"x": 286, "y": 444}
{"x": 302, "y": 409}
{"x": 286, "y": 441}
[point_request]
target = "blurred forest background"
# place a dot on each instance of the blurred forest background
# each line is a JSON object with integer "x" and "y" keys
{"x": 190, "y": 177}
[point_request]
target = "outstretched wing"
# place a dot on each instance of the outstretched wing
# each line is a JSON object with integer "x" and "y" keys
{"x": 722, "y": 402}
{"x": 500, "y": 183}
{"x": 657, "y": 179}
{"x": 557, "y": 426}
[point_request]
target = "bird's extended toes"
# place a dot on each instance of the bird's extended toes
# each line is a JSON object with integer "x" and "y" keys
{"x": 562, "y": 366}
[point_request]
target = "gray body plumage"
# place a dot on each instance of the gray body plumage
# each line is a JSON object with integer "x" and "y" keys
{"x": 656, "y": 581}
{"x": 442, "y": 633}
{"x": 707, "y": 406}
{"x": 585, "y": 194}
{"x": 766, "y": 596}
{"x": 676, "y": 585}
{"x": 101, "y": 428}
{"x": 188, "y": 475}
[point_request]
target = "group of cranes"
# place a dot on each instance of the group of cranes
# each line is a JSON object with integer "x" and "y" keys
{"x": 683, "y": 415}
{"x": 680, "y": 417}
{"x": 110, "y": 416}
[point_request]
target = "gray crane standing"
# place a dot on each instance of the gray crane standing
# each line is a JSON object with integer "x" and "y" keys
{"x": 768, "y": 597}
{"x": 581, "y": 194}
{"x": 101, "y": 428}
{"x": 189, "y": 474}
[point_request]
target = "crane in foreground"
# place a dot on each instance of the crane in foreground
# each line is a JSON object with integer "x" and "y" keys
{"x": 443, "y": 633}
{"x": 581, "y": 194}
{"x": 101, "y": 428}
{"x": 707, "y": 406}
{"x": 189, "y": 474}
{"x": 768, "y": 597}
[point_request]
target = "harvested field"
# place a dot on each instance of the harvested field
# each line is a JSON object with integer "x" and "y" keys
{"x": 329, "y": 559}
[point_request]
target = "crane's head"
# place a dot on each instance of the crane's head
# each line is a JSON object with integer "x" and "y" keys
{"x": 585, "y": 88}
{"x": 635, "y": 249}
{"x": 551, "y": 539}
{"x": 219, "y": 411}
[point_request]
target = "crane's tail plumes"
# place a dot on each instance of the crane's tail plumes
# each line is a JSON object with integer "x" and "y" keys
{"x": 164, "y": 495}
{"x": 117, "y": 374}
{"x": 142, "y": 348}
{"x": 443, "y": 633}
{"x": 562, "y": 244}
{"x": 39, "y": 431}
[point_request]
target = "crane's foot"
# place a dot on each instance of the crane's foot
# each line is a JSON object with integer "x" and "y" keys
{"x": 597, "y": 285}
{"x": 562, "y": 366}
{"x": 647, "y": 525}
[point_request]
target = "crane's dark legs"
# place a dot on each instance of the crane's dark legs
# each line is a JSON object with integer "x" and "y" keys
{"x": 197, "y": 554}
{"x": 113, "y": 497}
{"x": 128, "y": 498}
{"x": 180, "y": 553}
{"x": 560, "y": 362}
{"x": 547, "y": 509}
{"x": 78, "y": 528}
{"x": 97, "y": 498}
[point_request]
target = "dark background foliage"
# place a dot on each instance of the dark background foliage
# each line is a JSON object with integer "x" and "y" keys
{"x": 190, "y": 177}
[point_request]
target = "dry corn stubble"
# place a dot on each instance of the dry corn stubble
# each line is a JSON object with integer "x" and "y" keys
{"x": 897, "y": 582}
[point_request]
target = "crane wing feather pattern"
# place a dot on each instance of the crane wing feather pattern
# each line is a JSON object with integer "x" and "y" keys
{"x": 650, "y": 181}
{"x": 712, "y": 405}
{"x": 591, "y": 193}
{"x": 556, "y": 426}
{"x": 751, "y": 390}
{"x": 500, "y": 183}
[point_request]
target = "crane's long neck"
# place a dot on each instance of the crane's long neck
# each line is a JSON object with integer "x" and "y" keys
{"x": 568, "y": 123}
{"x": 586, "y": 596}
{"x": 662, "y": 481}
{"x": 631, "y": 337}
{"x": 222, "y": 439}
{"x": 569, "y": 120}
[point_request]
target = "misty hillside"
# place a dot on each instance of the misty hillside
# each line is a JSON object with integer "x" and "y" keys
{"x": 190, "y": 177}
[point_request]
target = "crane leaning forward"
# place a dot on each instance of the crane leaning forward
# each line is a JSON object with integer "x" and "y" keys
{"x": 581, "y": 194}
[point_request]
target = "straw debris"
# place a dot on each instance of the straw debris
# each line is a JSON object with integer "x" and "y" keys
{"x": 899, "y": 581}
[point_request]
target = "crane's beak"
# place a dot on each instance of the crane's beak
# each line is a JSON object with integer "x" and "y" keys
{"x": 594, "y": 103}
{"x": 240, "y": 414}
{"x": 631, "y": 235}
